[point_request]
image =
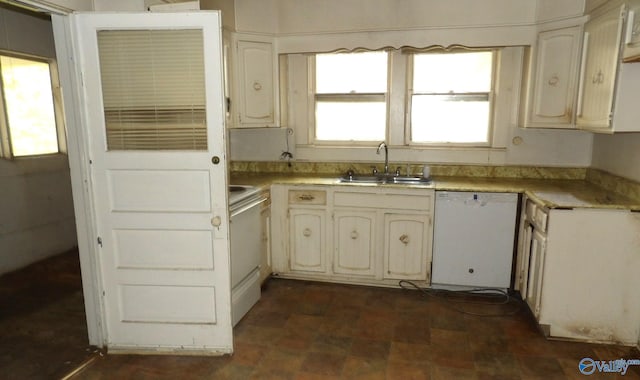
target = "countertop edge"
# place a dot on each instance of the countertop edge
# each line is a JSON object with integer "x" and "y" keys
{"x": 591, "y": 195}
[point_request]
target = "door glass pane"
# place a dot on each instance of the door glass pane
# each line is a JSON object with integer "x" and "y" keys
{"x": 153, "y": 89}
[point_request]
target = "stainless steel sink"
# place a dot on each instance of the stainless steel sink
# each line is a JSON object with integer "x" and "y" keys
{"x": 385, "y": 179}
{"x": 410, "y": 180}
{"x": 362, "y": 179}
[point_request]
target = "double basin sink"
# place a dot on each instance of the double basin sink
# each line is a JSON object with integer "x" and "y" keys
{"x": 381, "y": 179}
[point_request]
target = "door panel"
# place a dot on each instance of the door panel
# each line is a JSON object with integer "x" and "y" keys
{"x": 406, "y": 244}
{"x": 159, "y": 190}
{"x": 307, "y": 240}
{"x": 354, "y": 243}
{"x": 164, "y": 266}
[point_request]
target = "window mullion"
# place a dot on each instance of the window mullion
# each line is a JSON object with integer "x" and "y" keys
{"x": 370, "y": 97}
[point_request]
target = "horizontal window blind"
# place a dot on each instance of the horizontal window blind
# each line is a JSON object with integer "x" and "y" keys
{"x": 153, "y": 89}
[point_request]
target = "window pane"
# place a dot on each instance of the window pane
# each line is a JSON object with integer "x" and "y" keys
{"x": 351, "y": 96}
{"x": 29, "y": 106}
{"x": 437, "y": 120}
{"x": 350, "y": 121}
{"x": 452, "y": 72}
{"x": 351, "y": 73}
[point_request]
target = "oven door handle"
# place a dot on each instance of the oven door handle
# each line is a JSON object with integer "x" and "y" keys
{"x": 248, "y": 206}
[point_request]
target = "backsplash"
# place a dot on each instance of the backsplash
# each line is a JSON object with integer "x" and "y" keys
{"x": 614, "y": 183}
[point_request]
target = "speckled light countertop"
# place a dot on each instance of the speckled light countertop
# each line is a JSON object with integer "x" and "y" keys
{"x": 549, "y": 187}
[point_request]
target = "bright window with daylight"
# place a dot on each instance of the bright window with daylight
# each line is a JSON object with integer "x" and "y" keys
{"x": 450, "y": 97}
{"x": 350, "y": 96}
{"x": 28, "y": 121}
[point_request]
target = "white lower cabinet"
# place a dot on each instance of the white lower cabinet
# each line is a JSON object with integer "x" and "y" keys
{"x": 373, "y": 236}
{"x": 307, "y": 237}
{"x": 572, "y": 265}
{"x": 354, "y": 242}
{"x": 536, "y": 263}
{"x": 407, "y": 246}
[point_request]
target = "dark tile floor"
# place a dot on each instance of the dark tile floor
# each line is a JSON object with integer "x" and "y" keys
{"x": 306, "y": 330}
{"x": 43, "y": 331}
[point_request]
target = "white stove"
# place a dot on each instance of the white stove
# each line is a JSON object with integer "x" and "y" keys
{"x": 245, "y": 235}
{"x": 238, "y": 193}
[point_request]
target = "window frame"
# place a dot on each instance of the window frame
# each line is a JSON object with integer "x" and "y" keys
{"x": 355, "y": 97}
{"x": 6, "y": 151}
{"x": 408, "y": 140}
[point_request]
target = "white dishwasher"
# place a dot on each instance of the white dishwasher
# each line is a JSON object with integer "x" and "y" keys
{"x": 473, "y": 239}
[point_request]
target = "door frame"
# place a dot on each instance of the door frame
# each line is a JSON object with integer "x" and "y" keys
{"x": 81, "y": 185}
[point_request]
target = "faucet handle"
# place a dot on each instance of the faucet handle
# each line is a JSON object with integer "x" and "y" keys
{"x": 398, "y": 171}
{"x": 374, "y": 170}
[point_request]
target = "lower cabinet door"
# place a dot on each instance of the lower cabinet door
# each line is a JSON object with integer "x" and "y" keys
{"x": 406, "y": 245}
{"x": 524, "y": 256}
{"x": 307, "y": 240}
{"x": 536, "y": 268}
{"x": 354, "y": 242}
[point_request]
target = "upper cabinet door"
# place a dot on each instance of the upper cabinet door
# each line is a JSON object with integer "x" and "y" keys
{"x": 554, "y": 88}
{"x": 632, "y": 35}
{"x": 256, "y": 92}
{"x": 600, "y": 60}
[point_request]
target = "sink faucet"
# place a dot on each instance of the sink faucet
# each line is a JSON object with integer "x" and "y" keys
{"x": 386, "y": 156}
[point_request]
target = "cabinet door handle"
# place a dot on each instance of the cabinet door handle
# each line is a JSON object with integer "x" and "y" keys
{"x": 354, "y": 234}
{"x": 598, "y": 78}
{"x": 404, "y": 239}
{"x": 257, "y": 86}
{"x": 306, "y": 197}
{"x": 306, "y": 232}
{"x": 553, "y": 81}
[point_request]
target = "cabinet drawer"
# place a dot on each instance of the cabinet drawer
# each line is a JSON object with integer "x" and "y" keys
{"x": 386, "y": 201}
{"x": 308, "y": 197}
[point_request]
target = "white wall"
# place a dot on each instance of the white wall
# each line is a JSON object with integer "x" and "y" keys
{"x": 618, "y": 154}
{"x": 329, "y": 16}
{"x": 312, "y": 26}
{"x": 36, "y": 206}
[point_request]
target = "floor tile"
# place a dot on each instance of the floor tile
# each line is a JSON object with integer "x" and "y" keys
{"x": 299, "y": 330}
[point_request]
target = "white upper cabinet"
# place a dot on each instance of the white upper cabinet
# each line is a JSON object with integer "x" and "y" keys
{"x": 552, "y": 88}
{"x": 607, "y": 101}
{"x": 255, "y": 95}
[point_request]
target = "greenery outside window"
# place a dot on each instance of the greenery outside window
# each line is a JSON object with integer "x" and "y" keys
{"x": 450, "y": 97}
{"x": 351, "y": 96}
{"x": 28, "y": 123}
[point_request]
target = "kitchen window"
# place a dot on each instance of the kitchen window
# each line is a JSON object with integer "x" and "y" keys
{"x": 450, "y": 97}
{"x": 351, "y": 96}
{"x": 28, "y": 119}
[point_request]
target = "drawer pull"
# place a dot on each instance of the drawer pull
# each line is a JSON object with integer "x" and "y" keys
{"x": 306, "y": 232}
{"x": 354, "y": 235}
{"x": 306, "y": 197}
{"x": 404, "y": 239}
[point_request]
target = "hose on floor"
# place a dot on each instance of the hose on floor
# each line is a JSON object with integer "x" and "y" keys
{"x": 479, "y": 296}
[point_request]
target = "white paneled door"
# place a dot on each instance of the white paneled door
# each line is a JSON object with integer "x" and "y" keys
{"x": 154, "y": 118}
